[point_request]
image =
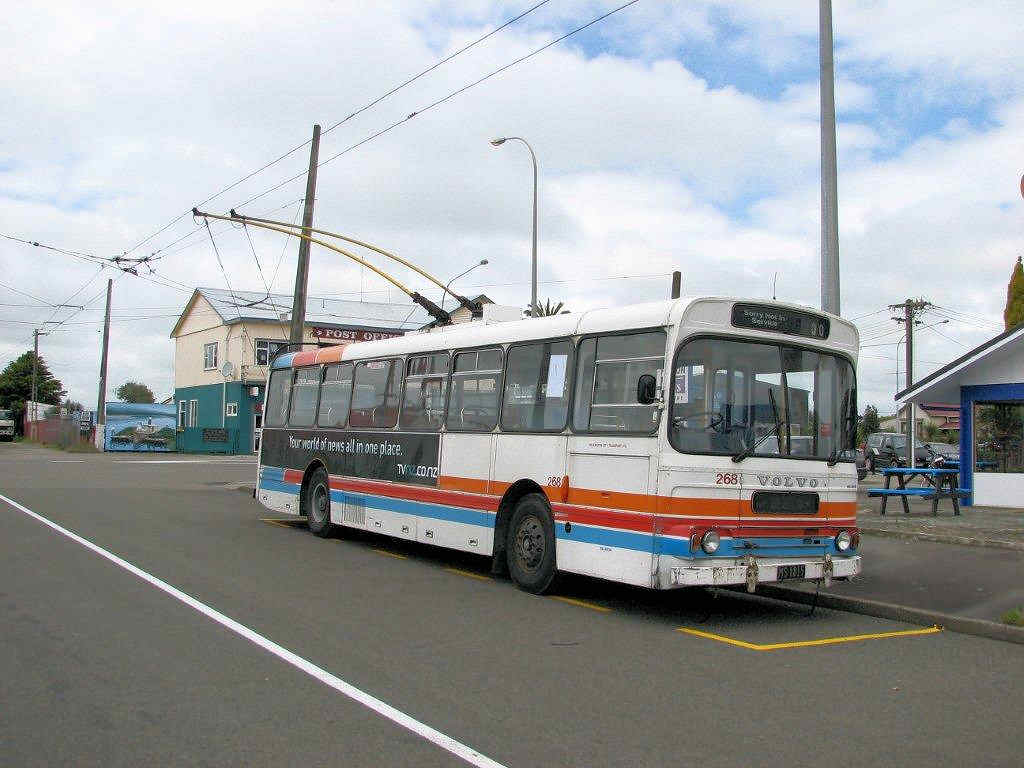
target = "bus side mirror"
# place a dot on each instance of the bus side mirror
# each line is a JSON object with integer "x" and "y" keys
{"x": 646, "y": 389}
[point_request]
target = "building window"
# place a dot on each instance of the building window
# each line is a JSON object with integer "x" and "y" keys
{"x": 999, "y": 437}
{"x": 193, "y": 412}
{"x": 210, "y": 356}
{"x": 537, "y": 387}
{"x": 182, "y": 414}
{"x": 231, "y": 409}
{"x": 265, "y": 349}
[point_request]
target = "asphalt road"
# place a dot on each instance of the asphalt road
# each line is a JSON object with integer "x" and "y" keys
{"x": 100, "y": 666}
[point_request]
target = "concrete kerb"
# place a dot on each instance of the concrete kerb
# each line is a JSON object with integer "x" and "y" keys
{"x": 942, "y": 538}
{"x": 893, "y": 612}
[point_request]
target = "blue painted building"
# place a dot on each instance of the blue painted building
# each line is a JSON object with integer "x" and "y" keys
{"x": 988, "y": 382}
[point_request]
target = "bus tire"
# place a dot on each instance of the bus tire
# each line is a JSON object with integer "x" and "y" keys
{"x": 530, "y": 546}
{"x": 318, "y": 503}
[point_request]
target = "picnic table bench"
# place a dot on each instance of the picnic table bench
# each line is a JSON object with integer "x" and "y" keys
{"x": 944, "y": 486}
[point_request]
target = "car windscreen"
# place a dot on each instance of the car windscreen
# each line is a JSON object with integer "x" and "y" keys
{"x": 772, "y": 399}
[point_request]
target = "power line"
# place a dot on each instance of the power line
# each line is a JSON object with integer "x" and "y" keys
{"x": 441, "y": 101}
{"x": 24, "y": 293}
{"x": 359, "y": 111}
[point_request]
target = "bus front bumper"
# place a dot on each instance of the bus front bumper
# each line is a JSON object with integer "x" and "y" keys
{"x": 752, "y": 571}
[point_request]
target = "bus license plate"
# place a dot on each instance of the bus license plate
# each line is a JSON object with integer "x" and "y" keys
{"x": 791, "y": 572}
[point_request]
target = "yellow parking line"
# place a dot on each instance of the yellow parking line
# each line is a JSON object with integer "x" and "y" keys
{"x": 281, "y": 523}
{"x": 581, "y": 603}
{"x": 808, "y": 643}
{"x": 470, "y": 574}
{"x": 391, "y": 554}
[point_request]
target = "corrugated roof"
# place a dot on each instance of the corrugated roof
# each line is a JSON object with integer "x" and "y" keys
{"x": 240, "y": 306}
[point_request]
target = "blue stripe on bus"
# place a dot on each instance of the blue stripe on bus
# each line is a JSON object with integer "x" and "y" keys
{"x": 274, "y": 485}
{"x": 418, "y": 508}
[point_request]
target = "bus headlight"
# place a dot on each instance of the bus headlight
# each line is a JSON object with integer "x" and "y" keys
{"x": 710, "y": 542}
{"x": 844, "y": 541}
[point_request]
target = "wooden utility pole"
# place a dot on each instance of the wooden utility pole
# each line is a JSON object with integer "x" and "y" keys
{"x": 910, "y": 308}
{"x": 35, "y": 360}
{"x": 101, "y": 400}
{"x": 302, "y": 269}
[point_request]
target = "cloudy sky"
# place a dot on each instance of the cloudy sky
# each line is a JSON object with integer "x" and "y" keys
{"x": 671, "y": 135}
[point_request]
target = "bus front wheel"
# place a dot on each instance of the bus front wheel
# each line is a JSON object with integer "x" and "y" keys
{"x": 318, "y": 503}
{"x": 530, "y": 548}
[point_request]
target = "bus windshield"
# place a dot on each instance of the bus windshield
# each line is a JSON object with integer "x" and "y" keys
{"x": 761, "y": 399}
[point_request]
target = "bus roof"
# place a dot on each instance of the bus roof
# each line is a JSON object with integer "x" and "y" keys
{"x": 631, "y": 316}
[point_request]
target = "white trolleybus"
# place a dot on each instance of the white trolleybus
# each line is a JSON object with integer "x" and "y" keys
{"x": 703, "y": 441}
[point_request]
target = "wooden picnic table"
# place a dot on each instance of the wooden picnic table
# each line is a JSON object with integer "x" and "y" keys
{"x": 945, "y": 482}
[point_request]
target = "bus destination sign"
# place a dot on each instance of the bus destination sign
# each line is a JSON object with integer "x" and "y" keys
{"x": 780, "y": 320}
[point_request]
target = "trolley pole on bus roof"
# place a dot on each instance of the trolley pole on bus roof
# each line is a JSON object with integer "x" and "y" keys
{"x": 302, "y": 269}
{"x": 829, "y": 193}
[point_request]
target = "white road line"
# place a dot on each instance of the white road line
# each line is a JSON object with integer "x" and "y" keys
{"x": 398, "y": 717}
{"x": 66, "y": 461}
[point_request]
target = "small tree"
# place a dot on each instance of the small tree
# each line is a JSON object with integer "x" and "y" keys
{"x": 1013, "y": 315}
{"x": 869, "y": 423}
{"x": 135, "y": 392}
{"x": 16, "y": 385}
{"x": 546, "y": 309}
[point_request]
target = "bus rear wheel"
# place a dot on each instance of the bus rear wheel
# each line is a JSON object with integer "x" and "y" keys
{"x": 530, "y": 548}
{"x": 318, "y": 503}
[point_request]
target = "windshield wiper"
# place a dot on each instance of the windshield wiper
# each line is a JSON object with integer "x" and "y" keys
{"x": 776, "y": 430}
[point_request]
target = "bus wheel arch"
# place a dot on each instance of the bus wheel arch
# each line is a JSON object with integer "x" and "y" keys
{"x": 315, "y": 480}
{"x": 506, "y": 507}
{"x": 525, "y": 502}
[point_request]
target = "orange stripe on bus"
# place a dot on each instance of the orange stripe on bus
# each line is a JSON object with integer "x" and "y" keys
{"x": 639, "y": 502}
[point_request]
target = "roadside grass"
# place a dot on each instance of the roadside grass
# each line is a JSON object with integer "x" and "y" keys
{"x": 1015, "y": 617}
{"x": 68, "y": 448}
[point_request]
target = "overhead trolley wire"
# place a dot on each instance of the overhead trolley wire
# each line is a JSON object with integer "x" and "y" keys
{"x": 344, "y": 120}
{"x": 440, "y": 101}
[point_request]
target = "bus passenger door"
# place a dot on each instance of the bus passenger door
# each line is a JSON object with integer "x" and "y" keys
{"x": 610, "y": 508}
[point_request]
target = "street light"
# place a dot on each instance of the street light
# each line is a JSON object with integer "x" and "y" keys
{"x": 480, "y": 263}
{"x": 533, "y": 271}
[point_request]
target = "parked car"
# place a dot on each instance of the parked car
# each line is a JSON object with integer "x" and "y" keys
{"x": 889, "y": 449}
{"x": 942, "y": 452}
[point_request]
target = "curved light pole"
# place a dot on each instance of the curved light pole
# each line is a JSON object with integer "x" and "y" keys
{"x": 480, "y": 263}
{"x": 533, "y": 271}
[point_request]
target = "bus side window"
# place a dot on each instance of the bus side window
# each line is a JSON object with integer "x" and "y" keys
{"x": 537, "y": 387}
{"x": 304, "y": 393}
{"x": 278, "y": 395}
{"x": 375, "y": 394}
{"x": 426, "y": 384}
{"x": 473, "y": 403}
{"x": 606, "y": 383}
{"x": 335, "y": 393}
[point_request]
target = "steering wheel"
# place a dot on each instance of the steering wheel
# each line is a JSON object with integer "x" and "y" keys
{"x": 717, "y": 419}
